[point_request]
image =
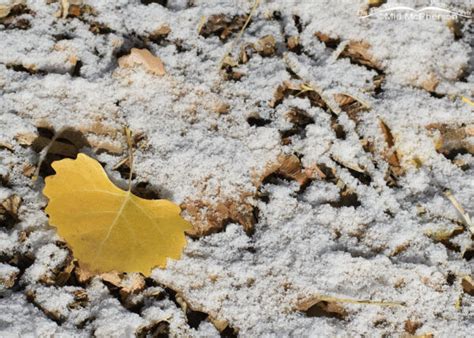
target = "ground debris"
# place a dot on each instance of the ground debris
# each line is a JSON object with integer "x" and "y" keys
{"x": 359, "y": 53}
{"x": 144, "y": 58}
{"x": 222, "y": 26}
{"x": 208, "y": 217}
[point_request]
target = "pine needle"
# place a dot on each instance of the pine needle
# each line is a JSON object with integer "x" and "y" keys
{"x": 465, "y": 216}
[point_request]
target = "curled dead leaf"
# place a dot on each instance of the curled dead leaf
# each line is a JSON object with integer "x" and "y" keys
{"x": 286, "y": 166}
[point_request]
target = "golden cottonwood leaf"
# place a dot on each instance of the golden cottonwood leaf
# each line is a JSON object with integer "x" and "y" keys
{"x": 109, "y": 228}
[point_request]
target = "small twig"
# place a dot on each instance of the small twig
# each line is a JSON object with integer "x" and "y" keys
{"x": 466, "y": 218}
{"x": 255, "y": 5}
{"x": 128, "y": 135}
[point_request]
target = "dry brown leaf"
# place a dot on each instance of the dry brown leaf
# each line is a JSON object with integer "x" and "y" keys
{"x": 453, "y": 138}
{"x": 350, "y": 105}
{"x": 83, "y": 275}
{"x": 222, "y": 26}
{"x": 412, "y": 325}
{"x": 293, "y": 43}
{"x": 10, "y": 205}
{"x": 455, "y": 27}
{"x": 351, "y": 165}
{"x": 359, "y": 52}
{"x": 328, "y": 40}
{"x": 144, "y": 58}
{"x": 287, "y": 166}
{"x": 390, "y": 153}
{"x": 8, "y": 279}
{"x": 322, "y": 307}
{"x": 25, "y": 139}
{"x": 431, "y": 83}
{"x": 29, "y": 170}
{"x": 266, "y": 46}
{"x": 207, "y": 217}
{"x": 288, "y": 88}
{"x": 160, "y": 33}
{"x": 51, "y": 314}
{"x": 328, "y": 306}
{"x": 81, "y": 299}
{"x": 221, "y": 108}
{"x": 467, "y": 284}
{"x": 160, "y": 328}
{"x": 376, "y": 3}
{"x": 5, "y": 145}
{"x": 132, "y": 284}
{"x": 444, "y": 235}
{"x": 12, "y": 7}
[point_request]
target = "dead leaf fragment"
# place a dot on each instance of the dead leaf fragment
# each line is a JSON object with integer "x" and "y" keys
{"x": 160, "y": 33}
{"x": 359, "y": 53}
{"x": 144, "y": 58}
{"x": 467, "y": 284}
{"x": 25, "y": 139}
{"x": 8, "y": 276}
{"x": 288, "y": 88}
{"x": 430, "y": 83}
{"x": 390, "y": 154}
{"x": 287, "y": 166}
{"x": 322, "y": 307}
{"x": 221, "y": 108}
{"x": 4, "y": 145}
{"x": 328, "y": 40}
{"x": 208, "y": 217}
{"x": 222, "y": 26}
{"x": 266, "y": 46}
{"x": 9, "y": 207}
{"x": 12, "y": 7}
{"x": 412, "y": 325}
{"x": 350, "y": 105}
{"x": 454, "y": 139}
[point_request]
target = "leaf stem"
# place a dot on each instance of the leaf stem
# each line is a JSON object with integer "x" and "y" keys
{"x": 128, "y": 135}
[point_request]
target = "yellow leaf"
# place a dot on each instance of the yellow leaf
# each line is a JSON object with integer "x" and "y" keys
{"x": 109, "y": 228}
